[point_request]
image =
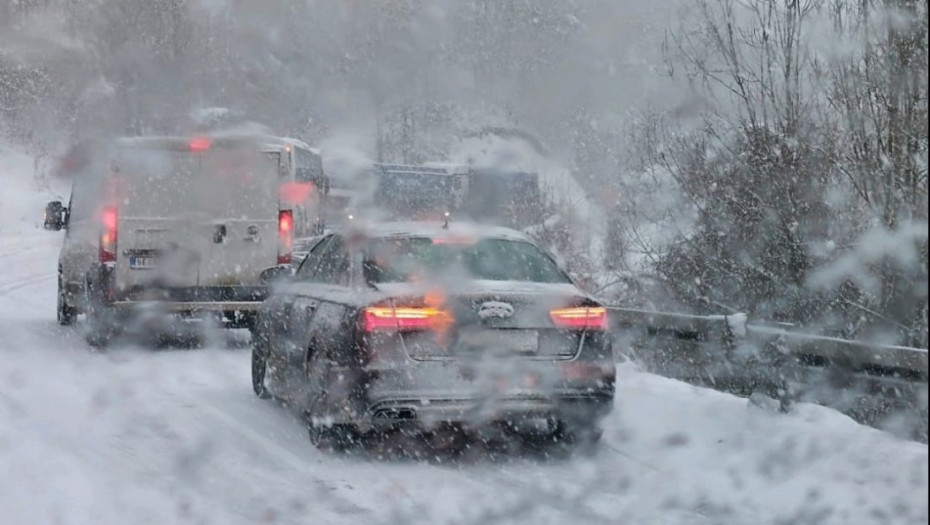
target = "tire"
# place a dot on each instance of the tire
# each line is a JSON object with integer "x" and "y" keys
{"x": 333, "y": 438}
{"x": 580, "y": 438}
{"x": 99, "y": 332}
{"x": 65, "y": 314}
{"x": 259, "y": 367}
{"x": 100, "y": 320}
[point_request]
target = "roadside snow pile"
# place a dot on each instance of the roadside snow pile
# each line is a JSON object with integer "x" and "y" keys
{"x": 730, "y": 461}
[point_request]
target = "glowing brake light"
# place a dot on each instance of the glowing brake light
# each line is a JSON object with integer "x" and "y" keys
{"x": 454, "y": 240}
{"x": 403, "y": 319}
{"x": 199, "y": 144}
{"x": 285, "y": 236}
{"x": 580, "y": 318}
{"x": 108, "y": 234}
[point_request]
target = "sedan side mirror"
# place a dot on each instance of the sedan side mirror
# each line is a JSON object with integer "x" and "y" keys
{"x": 56, "y": 216}
{"x": 277, "y": 274}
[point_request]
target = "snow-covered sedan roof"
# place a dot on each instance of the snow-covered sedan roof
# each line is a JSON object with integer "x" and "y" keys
{"x": 435, "y": 230}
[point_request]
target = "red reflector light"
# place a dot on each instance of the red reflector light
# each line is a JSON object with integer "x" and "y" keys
{"x": 285, "y": 221}
{"x": 199, "y": 144}
{"x": 285, "y": 236}
{"x": 580, "y": 318}
{"x": 404, "y": 319}
{"x": 108, "y": 234}
{"x": 462, "y": 241}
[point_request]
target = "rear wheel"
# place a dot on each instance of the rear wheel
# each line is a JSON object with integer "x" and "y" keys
{"x": 333, "y": 438}
{"x": 259, "y": 367}
{"x": 100, "y": 330}
{"x": 582, "y": 438}
{"x": 101, "y": 322}
{"x": 65, "y": 314}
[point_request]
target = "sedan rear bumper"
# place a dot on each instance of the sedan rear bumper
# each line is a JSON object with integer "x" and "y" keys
{"x": 427, "y": 413}
{"x": 425, "y": 394}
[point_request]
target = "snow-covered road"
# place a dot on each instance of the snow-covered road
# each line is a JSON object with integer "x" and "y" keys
{"x": 175, "y": 436}
{"x": 141, "y": 435}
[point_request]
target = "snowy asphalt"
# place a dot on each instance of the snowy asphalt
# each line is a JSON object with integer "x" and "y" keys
{"x": 175, "y": 435}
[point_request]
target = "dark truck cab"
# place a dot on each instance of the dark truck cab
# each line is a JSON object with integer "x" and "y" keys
{"x": 485, "y": 195}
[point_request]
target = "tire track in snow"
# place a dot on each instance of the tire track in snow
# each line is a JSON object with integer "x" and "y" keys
{"x": 281, "y": 454}
{"x": 16, "y": 284}
{"x": 4, "y": 254}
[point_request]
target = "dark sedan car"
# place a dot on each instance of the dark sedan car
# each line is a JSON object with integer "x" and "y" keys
{"x": 416, "y": 326}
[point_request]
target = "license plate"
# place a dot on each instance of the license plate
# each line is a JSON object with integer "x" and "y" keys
{"x": 512, "y": 340}
{"x": 141, "y": 263}
{"x": 516, "y": 340}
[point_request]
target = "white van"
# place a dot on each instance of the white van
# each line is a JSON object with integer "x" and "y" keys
{"x": 182, "y": 224}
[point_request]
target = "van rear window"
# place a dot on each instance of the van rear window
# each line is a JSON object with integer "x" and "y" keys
{"x": 218, "y": 182}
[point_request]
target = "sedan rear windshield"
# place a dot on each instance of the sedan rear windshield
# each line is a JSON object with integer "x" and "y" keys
{"x": 418, "y": 258}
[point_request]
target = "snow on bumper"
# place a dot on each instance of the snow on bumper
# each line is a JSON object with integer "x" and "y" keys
{"x": 450, "y": 391}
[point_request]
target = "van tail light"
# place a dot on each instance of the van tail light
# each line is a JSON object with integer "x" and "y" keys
{"x": 108, "y": 234}
{"x": 285, "y": 236}
{"x": 199, "y": 144}
{"x": 404, "y": 319}
{"x": 593, "y": 318}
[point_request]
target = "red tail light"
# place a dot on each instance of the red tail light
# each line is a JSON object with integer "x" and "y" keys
{"x": 108, "y": 234}
{"x": 285, "y": 236}
{"x": 199, "y": 144}
{"x": 580, "y": 318}
{"x": 404, "y": 319}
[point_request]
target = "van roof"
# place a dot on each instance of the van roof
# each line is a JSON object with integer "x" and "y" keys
{"x": 182, "y": 142}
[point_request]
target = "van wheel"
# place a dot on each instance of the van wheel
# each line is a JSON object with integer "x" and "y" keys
{"x": 100, "y": 329}
{"x": 259, "y": 366}
{"x": 100, "y": 320}
{"x": 65, "y": 313}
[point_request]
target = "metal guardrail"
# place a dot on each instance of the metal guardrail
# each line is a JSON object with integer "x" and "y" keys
{"x": 732, "y": 332}
{"x": 873, "y": 383}
{"x": 684, "y": 325}
{"x": 693, "y": 348}
{"x": 860, "y": 356}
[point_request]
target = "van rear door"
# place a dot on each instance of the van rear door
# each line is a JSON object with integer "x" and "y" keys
{"x": 242, "y": 235}
{"x": 195, "y": 217}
